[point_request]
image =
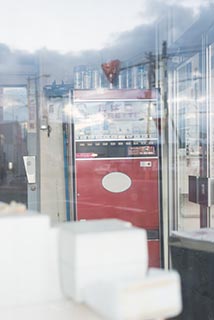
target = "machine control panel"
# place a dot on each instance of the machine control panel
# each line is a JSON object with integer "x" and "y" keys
{"x": 116, "y": 149}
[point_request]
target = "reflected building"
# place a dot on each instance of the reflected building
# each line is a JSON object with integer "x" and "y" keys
{"x": 133, "y": 77}
{"x": 92, "y": 77}
{"x": 87, "y": 77}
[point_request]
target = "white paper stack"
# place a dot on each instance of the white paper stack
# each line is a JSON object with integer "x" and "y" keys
{"x": 156, "y": 296}
{"x": 28, "y": 251}
{"x": 97, "y": 250}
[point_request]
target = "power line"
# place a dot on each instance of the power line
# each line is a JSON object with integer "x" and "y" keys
{"x": 179, "y": 52}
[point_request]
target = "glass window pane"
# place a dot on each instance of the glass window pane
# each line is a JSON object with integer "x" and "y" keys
{"x": 13, "y": 133}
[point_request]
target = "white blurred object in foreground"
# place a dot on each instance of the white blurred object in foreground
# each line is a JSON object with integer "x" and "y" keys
{"x": 29, "y": 258}
{"x": 101, "y": 262}
{"x": 157, "y": 296}
{"x": 90, "y": 251}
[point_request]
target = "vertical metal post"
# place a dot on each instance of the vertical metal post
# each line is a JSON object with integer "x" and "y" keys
{"x": 33, "y": 142}
{"x": 204, "y": 132}
{"x": 66, "y": 171}
{"x": 164, "y": 162}
{"x": 72, "y": 159}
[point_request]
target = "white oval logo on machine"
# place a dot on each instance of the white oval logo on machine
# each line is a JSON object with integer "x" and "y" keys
{"x": 116, "y": 182}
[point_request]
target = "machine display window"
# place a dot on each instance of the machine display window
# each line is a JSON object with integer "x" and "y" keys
{"x": 115, "y": 120}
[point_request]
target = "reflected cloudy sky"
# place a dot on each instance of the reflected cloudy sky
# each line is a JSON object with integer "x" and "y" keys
{"x": 15, "y": 104}
{"x": 68, "y": 25}
{"x": 59, "y": 35}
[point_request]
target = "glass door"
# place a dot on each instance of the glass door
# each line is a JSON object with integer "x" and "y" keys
{"x": 186, "y": 118}
{"x": 192, "y": 150}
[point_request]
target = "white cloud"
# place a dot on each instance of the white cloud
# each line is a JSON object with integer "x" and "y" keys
{"x": 152, "y": 10}
{"x": 65, "y": 25}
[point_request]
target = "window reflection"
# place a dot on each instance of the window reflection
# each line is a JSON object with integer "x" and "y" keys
{"x": 13, "y": 144}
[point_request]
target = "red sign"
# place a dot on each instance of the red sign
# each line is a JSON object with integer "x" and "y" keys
{"x": 114, "y": 94}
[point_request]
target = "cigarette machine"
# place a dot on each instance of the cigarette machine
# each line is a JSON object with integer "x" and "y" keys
{"x": 117, "y": 159}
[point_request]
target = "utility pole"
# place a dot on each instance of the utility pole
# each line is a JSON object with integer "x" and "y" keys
{"x": 33, "y": 140}
{"x": 151, "y": 70}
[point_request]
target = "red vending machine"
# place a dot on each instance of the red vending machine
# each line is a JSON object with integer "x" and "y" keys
{"x": 116, "y": 159}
